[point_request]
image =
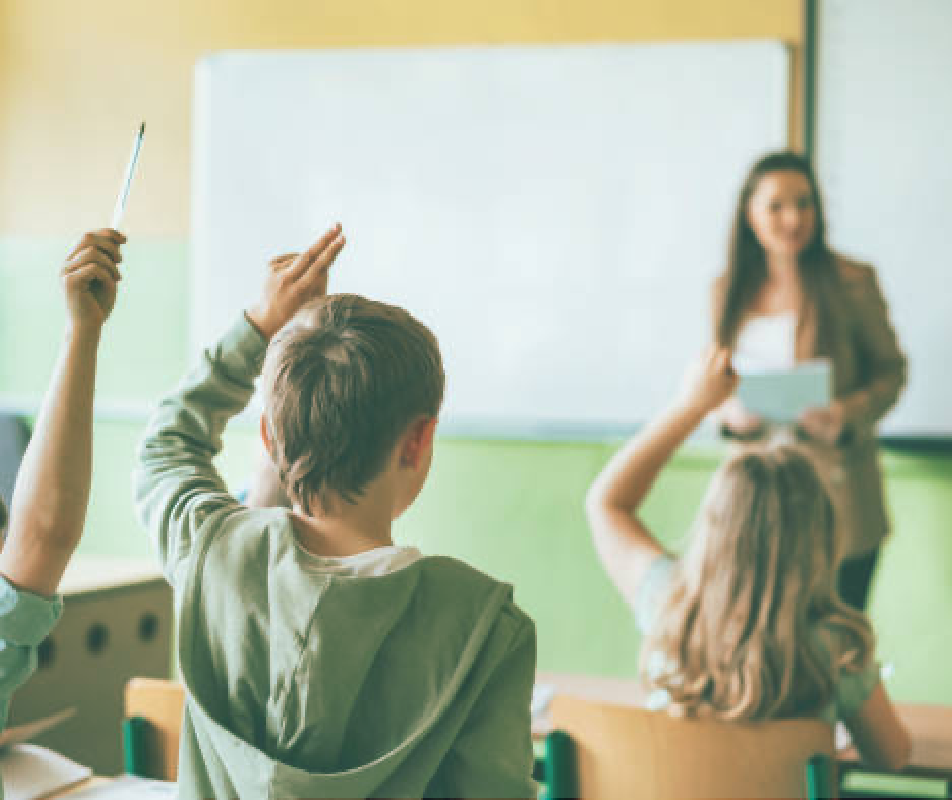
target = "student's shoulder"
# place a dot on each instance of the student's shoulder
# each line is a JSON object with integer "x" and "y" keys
{"x": 445, "y": 569}
{"x": 241, "y": 520}
{"x": 239, "y": 534}
{"x": 451, "y": 577}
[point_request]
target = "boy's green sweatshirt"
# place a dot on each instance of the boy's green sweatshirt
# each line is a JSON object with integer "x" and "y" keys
{"x": 306, "y": 681}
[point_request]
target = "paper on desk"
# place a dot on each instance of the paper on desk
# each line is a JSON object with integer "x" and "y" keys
{"x": 30, "y": 772}
{"x": 23, "y": 733}
{"x": 782, "y": 395}
{"x": 128, "y": 788}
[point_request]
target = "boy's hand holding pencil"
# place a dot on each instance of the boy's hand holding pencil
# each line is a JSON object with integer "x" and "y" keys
{"x": 293, "y": 281}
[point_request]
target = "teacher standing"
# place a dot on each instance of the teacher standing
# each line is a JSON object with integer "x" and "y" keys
{"x": 786, "y": 297}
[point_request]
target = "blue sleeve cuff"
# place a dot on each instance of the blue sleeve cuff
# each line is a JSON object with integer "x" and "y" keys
{"x": 26, "y": 618}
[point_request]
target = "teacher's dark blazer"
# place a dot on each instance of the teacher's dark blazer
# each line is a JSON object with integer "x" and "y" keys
{"x": 869, "y": 372}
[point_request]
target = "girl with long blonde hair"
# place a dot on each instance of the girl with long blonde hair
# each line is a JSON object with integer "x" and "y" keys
{"x": 747, "y": 625}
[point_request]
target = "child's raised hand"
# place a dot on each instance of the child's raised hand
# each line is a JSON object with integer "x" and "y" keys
{"x": 91, "y": 277}
{"x": 293, "y": 281}
{"x": 710, "y": 380}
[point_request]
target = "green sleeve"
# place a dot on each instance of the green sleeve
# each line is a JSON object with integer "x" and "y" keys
{"x": 493, "y": 755}
{"x": 25, "y": 620}
{"x": 177, "y": 486}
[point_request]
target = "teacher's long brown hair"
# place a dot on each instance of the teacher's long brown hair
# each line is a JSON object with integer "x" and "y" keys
{"x": 747, "y": 262}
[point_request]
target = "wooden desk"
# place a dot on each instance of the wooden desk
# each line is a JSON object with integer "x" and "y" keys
{"x": 930, "y": 727}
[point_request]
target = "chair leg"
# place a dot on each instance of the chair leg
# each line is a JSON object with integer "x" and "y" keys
{"x": 561, "y": 776}
{"x": 133, "y": 746}
{"x": 821, "y": 778}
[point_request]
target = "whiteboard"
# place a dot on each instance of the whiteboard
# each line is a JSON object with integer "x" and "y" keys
{"x": 555, "y": 214}
{"x": 884, "y": 154}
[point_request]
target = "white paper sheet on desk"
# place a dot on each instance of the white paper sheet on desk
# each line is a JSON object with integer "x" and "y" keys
{"x": 23, "y": 733}
{"x": 782, "y": 395}
{"x": 30, "y": 772}
{"x": 128, "y": 788}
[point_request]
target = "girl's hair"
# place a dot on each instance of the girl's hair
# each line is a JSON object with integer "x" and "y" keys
{"x": 747, "y": 262}
{"x": 752, "y": 627}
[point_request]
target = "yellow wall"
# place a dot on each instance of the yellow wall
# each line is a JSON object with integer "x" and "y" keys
{"x": 76, "y": 78}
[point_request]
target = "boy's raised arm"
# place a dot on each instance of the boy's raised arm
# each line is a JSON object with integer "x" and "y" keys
{"x": 176, "y": 484}
{"x": 52, "y": 489}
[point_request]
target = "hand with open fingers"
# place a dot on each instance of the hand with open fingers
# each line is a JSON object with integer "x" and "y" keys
{"x": 293, "y": 281}
{"x": 91, "y": 278}
{"x": 711, "y": 379}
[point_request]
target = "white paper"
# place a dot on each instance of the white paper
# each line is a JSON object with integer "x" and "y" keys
{"x": 128, "y": 788}
{"x": 30, "y": 772}
{"x": 782, "y": 395}
{"x": 23, "y": 733}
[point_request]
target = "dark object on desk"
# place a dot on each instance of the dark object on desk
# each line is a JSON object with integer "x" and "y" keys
{"x": 14, "y": 437}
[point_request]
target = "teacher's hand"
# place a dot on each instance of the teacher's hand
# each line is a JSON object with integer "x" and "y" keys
{"x": 823, "y": 424}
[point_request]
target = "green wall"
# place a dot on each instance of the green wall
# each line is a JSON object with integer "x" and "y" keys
{"x": 512, "y": 508}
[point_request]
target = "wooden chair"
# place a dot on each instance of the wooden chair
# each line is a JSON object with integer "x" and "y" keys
{"x": 152, "y": 726}
{"x": 624, "y": 751}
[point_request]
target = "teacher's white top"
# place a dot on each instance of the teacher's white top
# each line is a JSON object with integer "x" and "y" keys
{"x": 767, "y": 342}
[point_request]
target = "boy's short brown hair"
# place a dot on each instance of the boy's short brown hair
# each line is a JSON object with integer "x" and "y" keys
{"x": 3, "y": 515}
{"x": 341, "y": 390}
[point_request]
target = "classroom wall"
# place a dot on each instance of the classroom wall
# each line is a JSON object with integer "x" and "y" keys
{"x": 75, "y": 79}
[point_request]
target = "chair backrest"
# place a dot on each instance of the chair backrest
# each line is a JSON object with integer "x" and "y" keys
{"x": 623, "y": 751}
{"x": 153, "y": 724}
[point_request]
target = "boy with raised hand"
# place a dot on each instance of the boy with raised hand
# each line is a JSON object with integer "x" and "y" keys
{"x": 52, "y": 488}
{"x": 321, "y": 659}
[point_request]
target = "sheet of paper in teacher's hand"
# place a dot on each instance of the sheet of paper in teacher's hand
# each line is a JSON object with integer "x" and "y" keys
{"x": 782, "y": 395}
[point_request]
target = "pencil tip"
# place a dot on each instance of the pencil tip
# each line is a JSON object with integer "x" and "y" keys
{"x": 142, "y": 128}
